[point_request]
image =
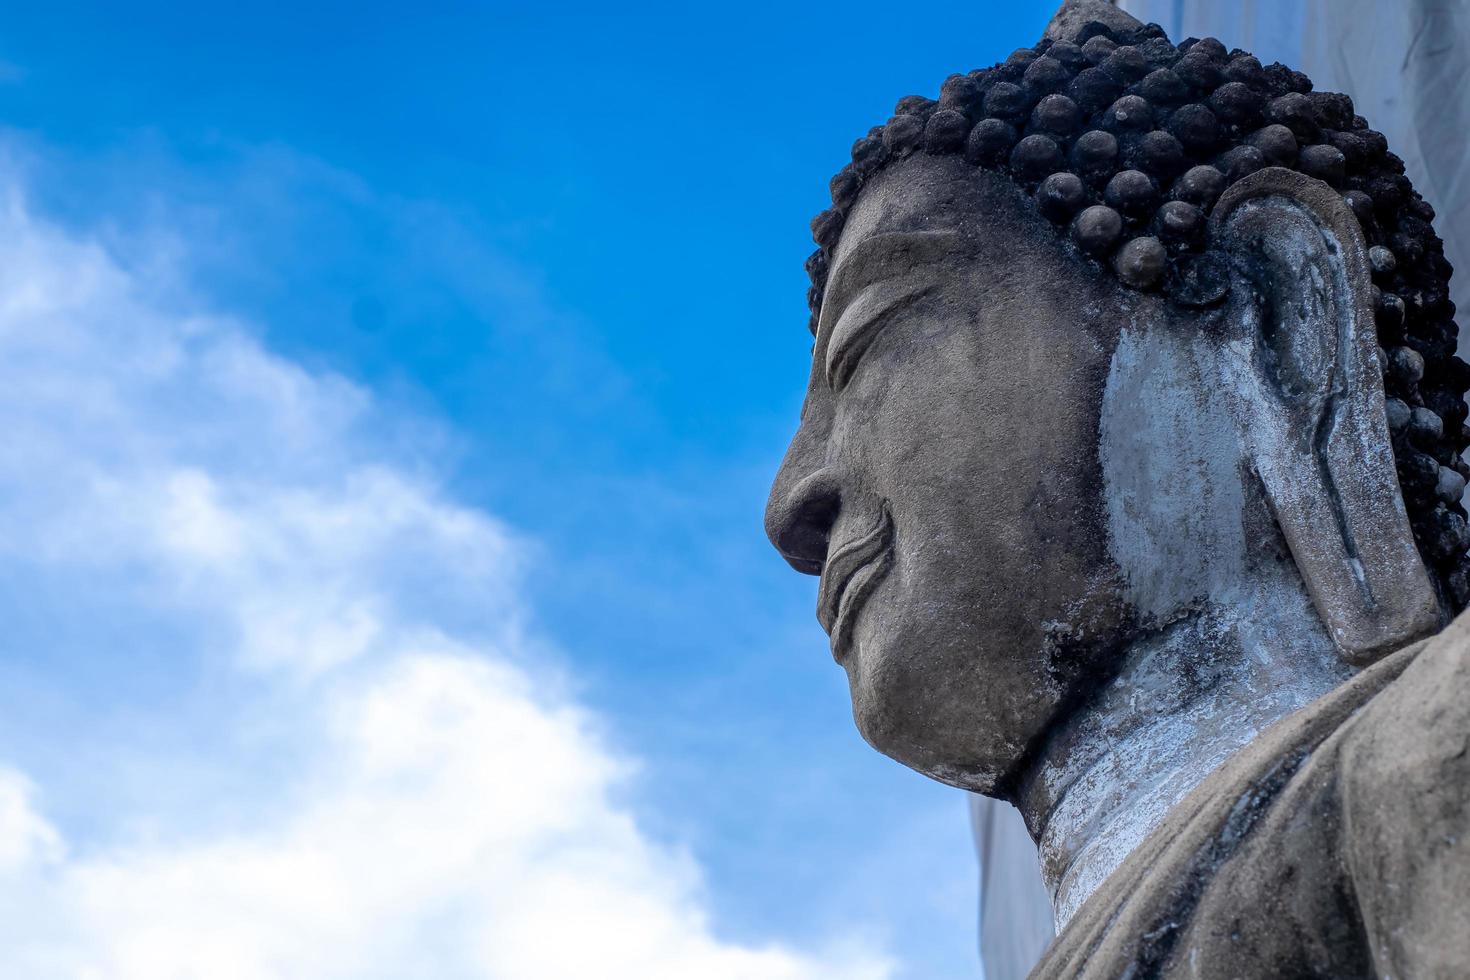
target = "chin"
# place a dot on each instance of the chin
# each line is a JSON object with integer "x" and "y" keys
{"x": 959, "y": 767}
{"x": 915, "y": 713}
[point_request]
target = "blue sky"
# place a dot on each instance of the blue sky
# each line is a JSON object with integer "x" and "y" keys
{"x": 381, "y": 347}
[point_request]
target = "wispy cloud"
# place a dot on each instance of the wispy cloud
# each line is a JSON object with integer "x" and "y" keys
{"x": 415, "y": 792}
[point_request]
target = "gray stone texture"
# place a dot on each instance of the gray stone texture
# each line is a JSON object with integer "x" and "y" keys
{"x": 1334, "y": 845}
{"x": 1114, "y": 530}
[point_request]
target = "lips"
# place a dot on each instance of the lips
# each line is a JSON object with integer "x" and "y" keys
{"x": 849, "y": 575}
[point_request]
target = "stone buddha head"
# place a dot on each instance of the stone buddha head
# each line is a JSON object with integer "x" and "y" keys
{"x": 1118, "y": 342}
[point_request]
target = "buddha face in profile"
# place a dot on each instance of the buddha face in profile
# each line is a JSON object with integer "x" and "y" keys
{"x": 1115, "y": 341}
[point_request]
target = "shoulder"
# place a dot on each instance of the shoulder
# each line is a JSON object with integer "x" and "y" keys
{"x": 1407, "y": 746}
{"x": 1405, "y": 783}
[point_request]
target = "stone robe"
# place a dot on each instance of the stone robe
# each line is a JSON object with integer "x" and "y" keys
{"x": 1337, "y": 844}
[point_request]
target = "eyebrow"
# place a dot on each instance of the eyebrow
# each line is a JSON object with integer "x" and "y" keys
{"x": 879, "y": 257}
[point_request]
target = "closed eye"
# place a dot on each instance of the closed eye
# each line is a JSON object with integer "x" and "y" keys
{"x": 861, "y": 323}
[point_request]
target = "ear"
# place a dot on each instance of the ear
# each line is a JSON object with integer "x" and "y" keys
{"x": 1303, "y": 359}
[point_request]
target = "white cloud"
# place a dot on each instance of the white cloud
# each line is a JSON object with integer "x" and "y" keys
{"x": 437, "y": 805}
{"x": 25, "y": 837}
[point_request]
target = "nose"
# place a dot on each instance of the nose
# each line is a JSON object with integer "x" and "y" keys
{"x": 800, "y": 515}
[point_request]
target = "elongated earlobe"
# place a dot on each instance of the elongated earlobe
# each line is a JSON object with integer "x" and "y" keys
{"x": 1308, "y": 390}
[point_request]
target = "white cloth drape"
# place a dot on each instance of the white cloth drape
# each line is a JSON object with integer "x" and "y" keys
{"x": 1015, "y": 910}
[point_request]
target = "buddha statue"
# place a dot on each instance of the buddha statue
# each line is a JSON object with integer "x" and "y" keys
{"x": 1130, "y": 462}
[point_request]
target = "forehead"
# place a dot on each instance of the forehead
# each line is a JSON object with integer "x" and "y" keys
{"x": 986, "y": 214}
{"x": 986, "y": 239}
{"x": 920, "y": 193}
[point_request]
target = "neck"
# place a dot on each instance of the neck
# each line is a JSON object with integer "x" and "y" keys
{"x": 1190, "y": 694}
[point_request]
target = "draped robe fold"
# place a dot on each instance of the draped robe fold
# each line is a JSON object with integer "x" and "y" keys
{"x": 1337, "y": 844}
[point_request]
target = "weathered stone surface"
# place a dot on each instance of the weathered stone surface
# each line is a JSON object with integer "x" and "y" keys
{"x": 1130, "y": 465}
{"x": 1072, "y": 17}
{"x": 1333, "y": 846}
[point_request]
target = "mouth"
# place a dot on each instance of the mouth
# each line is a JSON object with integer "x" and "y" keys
{"x": 849, "y": 576}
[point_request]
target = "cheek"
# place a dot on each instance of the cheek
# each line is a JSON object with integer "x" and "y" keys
{"x": 973, "y": 503}
{"x": 984, "y": 449}
{"x": 986, "y": 476}
{"x": 945, "y": 620}
{"x": 904, "y": 430}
